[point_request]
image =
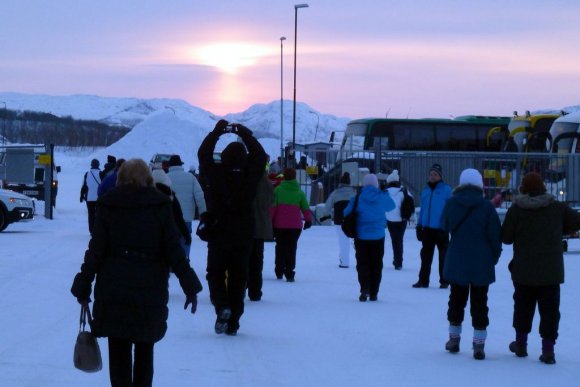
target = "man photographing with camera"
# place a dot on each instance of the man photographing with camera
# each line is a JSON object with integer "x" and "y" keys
{"x": 230, "y": 187}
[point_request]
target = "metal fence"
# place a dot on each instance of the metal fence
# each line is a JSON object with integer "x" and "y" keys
{"x": 502, "y": 172}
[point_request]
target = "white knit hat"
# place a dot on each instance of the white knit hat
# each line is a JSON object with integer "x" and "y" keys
{"x": 471, "y": 176}
{"x": 159, "y": 176}
{"x": 371, "y": 179}
{"x": 394, "y": 176}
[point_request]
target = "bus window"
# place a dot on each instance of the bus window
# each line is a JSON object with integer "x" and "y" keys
{"x": 413, "y": 137}
{"x": 453, "y": 138}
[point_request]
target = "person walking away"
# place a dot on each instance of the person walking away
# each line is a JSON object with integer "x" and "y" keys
{"x": 134, "y": 245}
{"x": 263, "y": 231}
{"x": 534, "y": 224}
{"x": 109, "y": 167}
{"x": 369, "y": 243}
{"x": 188, "y": 192}
{"x": 89, "y": 192}
{"x": 334, "y": 207}
{"x": 395, "y": 223}
{"x": 290, "y": 207}
{"x": 110, "y": 180}
{"x": 429, "y": 230}
{"x": 230, "y": 194}
{"x": 473, "y": 252}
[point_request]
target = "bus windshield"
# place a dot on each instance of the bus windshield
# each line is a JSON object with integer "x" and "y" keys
{"x": 354, "y": 139}
{"x": 563, "y": 145}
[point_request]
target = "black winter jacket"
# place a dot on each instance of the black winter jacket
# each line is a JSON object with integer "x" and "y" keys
{"x": 535, "y": 225}
{"x": 134, "y": 244}
{"x": 229, "y": 194}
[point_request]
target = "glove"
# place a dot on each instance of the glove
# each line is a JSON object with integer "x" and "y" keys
{"x": 220, "y": 126}
{"x": 82, "y": 198}
{"x": 81, "y": 289}
{"x": 191, "y": 300}
{"x": 307, "y": 225}
{"x": 419, "y": 232}
{"x": 241, "y": 130}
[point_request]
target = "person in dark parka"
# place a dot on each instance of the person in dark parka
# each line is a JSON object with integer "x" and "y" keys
{"x": 134, "y": 244}
{"x": 230, "y": 190}
{"x": 534, "y": 224}
{"x": 263, "y": 231}
{"x": 473, "y": 252}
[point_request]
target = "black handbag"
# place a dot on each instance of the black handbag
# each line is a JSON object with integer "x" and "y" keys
{"x": 87, "y": 355}
{"x": 348, "y": 225}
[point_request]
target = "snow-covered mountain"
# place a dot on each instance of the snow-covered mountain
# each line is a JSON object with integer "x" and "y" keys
{"x": 174, "y": 126}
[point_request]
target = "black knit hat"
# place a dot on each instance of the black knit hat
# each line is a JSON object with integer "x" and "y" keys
{"x": 95, "y": 163}
{"x": 437, "y": 168}
{"x": 175, "y": 160}
{"x": 234, "y": 155}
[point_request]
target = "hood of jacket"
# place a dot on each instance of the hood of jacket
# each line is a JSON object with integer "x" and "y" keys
{"x": 532, "y": 202}
{"x": 130, "y": 196}
{"x": 467, "y": 195}
{"x": 370, "y": 194}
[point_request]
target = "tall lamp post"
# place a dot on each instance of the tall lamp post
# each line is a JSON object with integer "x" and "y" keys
{"x": 4, "y": 124}
{"x": 282, "y": 39}
{"x": 296, "y": 7}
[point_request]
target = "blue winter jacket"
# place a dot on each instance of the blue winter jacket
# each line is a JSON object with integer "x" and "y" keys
{"x": 370, "y": 212}
{"x": 432, "y": 203}
{"x": 475, "y": 245}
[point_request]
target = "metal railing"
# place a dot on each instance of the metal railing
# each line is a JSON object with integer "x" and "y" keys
{"x": 502, "y": 172}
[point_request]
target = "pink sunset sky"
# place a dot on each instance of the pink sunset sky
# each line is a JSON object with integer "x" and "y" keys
{"x": 355, "y": 59}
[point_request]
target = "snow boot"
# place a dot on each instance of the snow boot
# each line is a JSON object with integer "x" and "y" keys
{"x": 221, "y": 323}
{"x": 547, "y": 356}
{"x": 363, "y": 297}
{"x": 478, "y": 351}
{"x": 520, "y": 346}
{"x": 454, "y": 338}
{"x": 452, "y": 344}
{"x": 479, "y": 336}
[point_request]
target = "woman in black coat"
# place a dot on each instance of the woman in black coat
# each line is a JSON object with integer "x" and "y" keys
{"x": 534, "y": 224}
{"x": 134, "y": 244}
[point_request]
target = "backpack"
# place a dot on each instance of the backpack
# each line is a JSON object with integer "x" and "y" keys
{"x": 407, "y": 206}
{"x": 348, "y": 225}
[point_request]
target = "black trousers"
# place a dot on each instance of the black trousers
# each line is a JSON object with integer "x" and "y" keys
{"x": 255, "y": 269}
{"x": 286, "y": 246}
{"x": 458, "y": 300}
{"x": 228, "y": 291}
{"x": 432, "y": 238}
{"x": 122, "y": 371}
{"x": 92, "y": 212}
{"x": 548, "y": 300}
{"x": 369, "y": 264}
{"x": 397, "y": 231}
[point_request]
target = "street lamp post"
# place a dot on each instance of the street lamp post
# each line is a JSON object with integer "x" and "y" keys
{"x": 282, "y": 39}
{"x": 296, "y": 7}
{"x": 4, "y": 124}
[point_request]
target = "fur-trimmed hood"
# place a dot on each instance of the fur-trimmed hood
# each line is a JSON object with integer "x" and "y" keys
{"x": 532, "y": 202}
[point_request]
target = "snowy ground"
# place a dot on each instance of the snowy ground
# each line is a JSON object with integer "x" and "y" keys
{"x": 313, "y": 332}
